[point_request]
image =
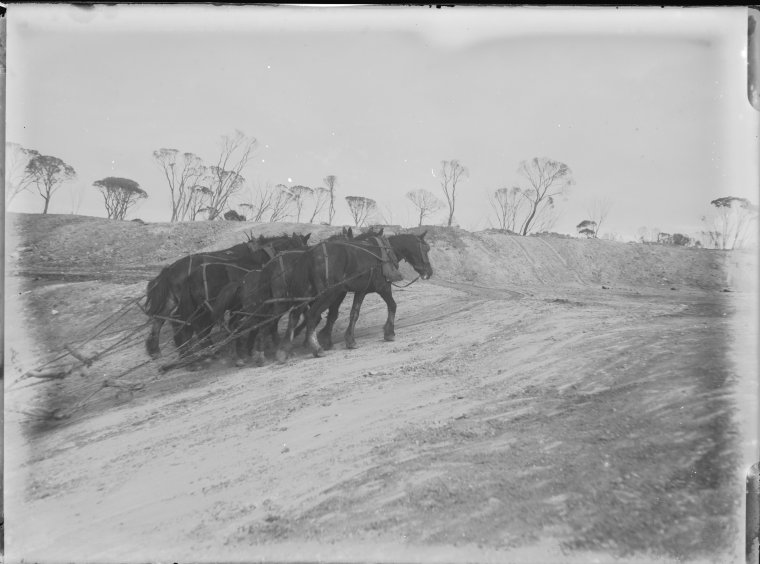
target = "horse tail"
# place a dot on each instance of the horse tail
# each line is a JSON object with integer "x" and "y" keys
{"x": 157, "y": 293}
{"x": 227, "y": 297}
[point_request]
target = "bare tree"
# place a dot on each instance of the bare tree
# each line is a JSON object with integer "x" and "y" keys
{"x": 259, "y": 200}
{"x": 729, "y": 224}
{"x": 360, "y": 208}
{"x": 507, "y": 204}
{"x": 330, "y": 182}
{"x": 383, "y": 214}
{"x": 450, "y": 174}
{"x": 299, "y": 194}
{"x": 48, "y": 174}
{"x": 321, "y": 196}
{"x": 76, "y": 195}
{"x": 648, "y": 234}
{"x": 16, "y": 178}
{"x": 119, "y": 194}
{"x": 425, "y": 202}
{"x": 597, "y": 211}
{"x": 282, "y": 201}
{"x": 197, "y": 200}
{"x": 547, "y": 180}
{"x": 182, "y": 172}
{"x": 226, "y": 176}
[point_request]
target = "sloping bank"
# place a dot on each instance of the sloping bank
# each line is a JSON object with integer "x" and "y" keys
{"x": 494, "y": 259}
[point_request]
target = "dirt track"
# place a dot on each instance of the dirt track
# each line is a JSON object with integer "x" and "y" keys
{"x": 504, "y": 424}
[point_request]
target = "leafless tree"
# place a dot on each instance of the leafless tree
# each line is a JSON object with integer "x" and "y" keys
{"x": 48, "y": 174}
{"x": 425, "y": 202}
{"x": 259, "y": 201}
{"x": 360, "y": 208}
{"x": 648, "y": 234}
{"x": 119, "y": 194}
{"x": 321, "y": 197}
{"x": 226, "y": 174}
{"x": 182, "y": 172}
{"x": 197, "y": 200}
{"x": 547, "y": 179}
{"x": 450, "y": 174}
{"x": 282, "y": 201}
{"x": 299, "y": 194}
{"x": 382, "y": 215}
{"x": 330, "y": 182}
{"x": 16, "y": 178}
{"x": 508, "y": 204}
{"x": 728, "y": 225}
{"x": 76, "y": 195}
{"x": 597, "y": 211}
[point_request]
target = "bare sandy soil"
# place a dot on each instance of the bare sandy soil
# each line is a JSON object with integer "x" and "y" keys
{"x": 523, "y": 414}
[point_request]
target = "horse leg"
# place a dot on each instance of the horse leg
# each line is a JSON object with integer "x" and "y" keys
{"x": 302, "y": 326}
{"x": 389, "y": 327}
{"x": 256, "y": 342}
{"x": 355, "y": 309}
{"x": 325, "y": 334}
{"x": 313, "y": 317}
{"x": 183, "y": 332}
{"x": 203, "y": 327}
{"x": 274, "y": 334}
{"x": 241, "y": 350}
{"x": 152, "y": 342}
{"x": 286, "y": 344}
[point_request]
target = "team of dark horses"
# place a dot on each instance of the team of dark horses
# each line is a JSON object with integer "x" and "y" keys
{"x": 248, "y": 288}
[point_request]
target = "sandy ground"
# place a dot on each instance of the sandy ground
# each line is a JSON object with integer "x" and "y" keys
{"x": 506, "y": 423}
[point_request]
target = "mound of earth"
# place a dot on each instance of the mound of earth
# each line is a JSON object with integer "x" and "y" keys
{"x": 58, "y": 245}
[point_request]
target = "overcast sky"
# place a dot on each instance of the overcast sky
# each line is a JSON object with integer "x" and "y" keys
{"x": 648, "y": 107}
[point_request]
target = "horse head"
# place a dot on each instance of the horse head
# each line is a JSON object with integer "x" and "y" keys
{"x": 414, "y": 250}
{"x": 301, "y": 241}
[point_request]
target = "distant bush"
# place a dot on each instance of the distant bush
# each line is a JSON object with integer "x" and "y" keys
{"x": 551, "y": 234}
{"x": 232, "y": 215}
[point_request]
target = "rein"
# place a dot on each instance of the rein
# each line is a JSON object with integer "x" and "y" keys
{"x": 406, "y": 285}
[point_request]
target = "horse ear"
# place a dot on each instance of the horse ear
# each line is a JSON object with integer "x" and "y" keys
{"x": 423, "y": 234}
{"x": 306, "y": 237}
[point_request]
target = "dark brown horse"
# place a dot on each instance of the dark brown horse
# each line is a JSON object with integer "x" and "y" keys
{"x": 265, "y": 296}
{"x": 165, "y": 291}
{"x": 203, "y": 286}
{"x": 332, "y": 269}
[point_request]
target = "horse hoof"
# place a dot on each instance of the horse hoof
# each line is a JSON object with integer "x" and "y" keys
{"x": 390, "y": 337}
{"x": 323, "y": 341}
{"x": 240, "y": 363}
{"x": 281, "y": 356}
{"x": 319, "y": 353}
{"x": 351, "y": 345}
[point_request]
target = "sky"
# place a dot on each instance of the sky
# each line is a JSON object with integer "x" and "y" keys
{"x": 648, "y": 107}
